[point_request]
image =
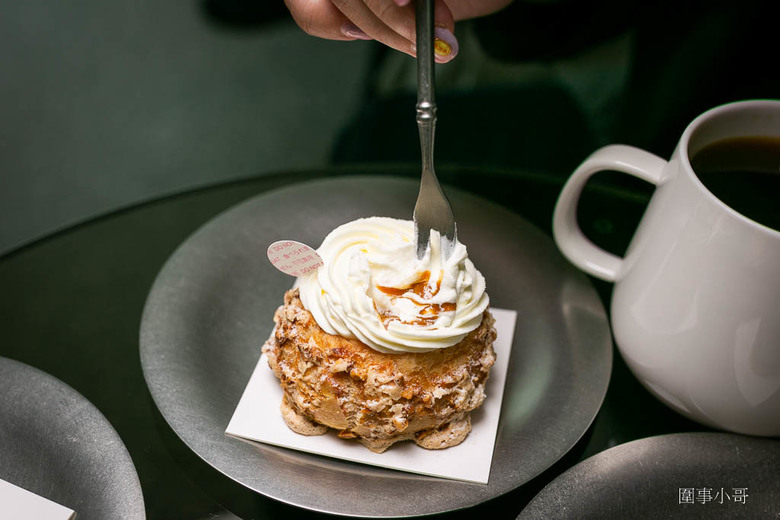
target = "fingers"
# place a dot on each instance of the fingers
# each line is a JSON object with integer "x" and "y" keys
{"x": 322, "y": 19}
{"x": 465, "y": 9}
{"x": 391, "y": 22}
{"x": 382, "y": 20}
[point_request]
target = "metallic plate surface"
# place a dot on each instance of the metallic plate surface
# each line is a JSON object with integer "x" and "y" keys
{"x": 211, "y": 308}
{"x": 56, "y": 444}
{"x": 681, "y": 475}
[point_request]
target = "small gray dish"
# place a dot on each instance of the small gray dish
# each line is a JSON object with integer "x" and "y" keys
{"x": 56, "y": 444}
{"x": 683, "y": 475}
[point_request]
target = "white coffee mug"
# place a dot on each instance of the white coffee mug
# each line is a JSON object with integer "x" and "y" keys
{"x": 695, "y": 307}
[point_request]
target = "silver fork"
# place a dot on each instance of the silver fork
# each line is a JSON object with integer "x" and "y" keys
{"x": 432, "y": 210}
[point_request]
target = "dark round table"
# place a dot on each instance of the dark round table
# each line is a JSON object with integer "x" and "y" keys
{"x": 71, "y": 306}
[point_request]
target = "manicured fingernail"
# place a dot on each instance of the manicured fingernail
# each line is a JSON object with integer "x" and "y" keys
{"x": 402, "y": 2}
{"x": 351, "y": 30}
{"x": 445, "y": 45}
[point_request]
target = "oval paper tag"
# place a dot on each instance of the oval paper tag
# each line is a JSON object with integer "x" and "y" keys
{"x": 294, "y": 258}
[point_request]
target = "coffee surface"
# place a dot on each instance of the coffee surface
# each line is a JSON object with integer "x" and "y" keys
{"x": 744, "y": 173}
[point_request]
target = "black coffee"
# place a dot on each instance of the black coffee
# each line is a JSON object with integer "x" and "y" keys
{"x": 744, "y": 173}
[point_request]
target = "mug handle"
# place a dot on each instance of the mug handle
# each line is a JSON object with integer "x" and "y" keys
{"x": 566, "y": 231}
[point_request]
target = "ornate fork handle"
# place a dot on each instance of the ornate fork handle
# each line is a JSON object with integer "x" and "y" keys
{"x": 432, "y": 210}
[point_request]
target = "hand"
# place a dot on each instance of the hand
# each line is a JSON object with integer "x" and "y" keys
{"x": 391, "y": 22}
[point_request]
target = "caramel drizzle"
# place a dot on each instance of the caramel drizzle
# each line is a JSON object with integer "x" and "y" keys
{"x": 428, "y": 313}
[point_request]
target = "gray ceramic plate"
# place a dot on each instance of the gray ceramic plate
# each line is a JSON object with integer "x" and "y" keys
{"x": 54, "y": 443}
{"x": 211, "y": 308}
{"x": 687, "y": 475}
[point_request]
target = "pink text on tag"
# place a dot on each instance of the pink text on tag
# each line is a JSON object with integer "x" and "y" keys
{"x": 294, "y": 258}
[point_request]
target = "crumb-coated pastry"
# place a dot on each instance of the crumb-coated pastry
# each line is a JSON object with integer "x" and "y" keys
{"x": 375, "y": 397}
{"x": 381, "y": 345}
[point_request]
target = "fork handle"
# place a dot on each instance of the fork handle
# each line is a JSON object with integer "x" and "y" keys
{"x": 426, "y": 102}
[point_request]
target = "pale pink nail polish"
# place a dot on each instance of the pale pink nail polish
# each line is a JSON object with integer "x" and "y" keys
{"x": 351, "y": 30}
{"x": 445, "y": 45}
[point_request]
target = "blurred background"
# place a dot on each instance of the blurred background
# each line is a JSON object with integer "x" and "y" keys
{"x": 107, "y": 104}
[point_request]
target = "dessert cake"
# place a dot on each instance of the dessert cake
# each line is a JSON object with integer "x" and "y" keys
{"x": 382, "y": 346}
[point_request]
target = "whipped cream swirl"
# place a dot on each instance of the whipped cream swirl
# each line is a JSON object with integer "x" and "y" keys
{"x": 374, "y": 288}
